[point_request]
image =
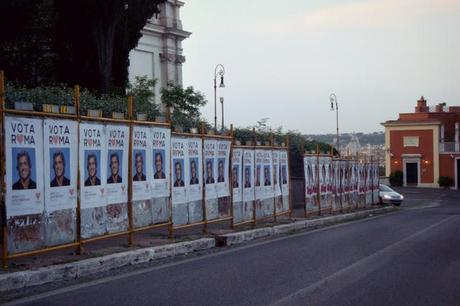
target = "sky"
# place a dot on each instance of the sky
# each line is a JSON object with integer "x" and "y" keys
{"x": 283, "y": 59}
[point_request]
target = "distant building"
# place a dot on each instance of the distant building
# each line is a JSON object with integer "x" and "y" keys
{"x": 424, "y": 145}
{"x": 158, "y": 54}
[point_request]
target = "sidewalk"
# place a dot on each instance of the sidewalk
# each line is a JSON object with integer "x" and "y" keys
{"x": 114, "y": 253}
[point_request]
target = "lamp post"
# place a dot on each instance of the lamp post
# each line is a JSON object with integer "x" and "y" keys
{"x": 222, "y": 102}
{"x": 218, "y": 71}
{"x": 333, "y": 98}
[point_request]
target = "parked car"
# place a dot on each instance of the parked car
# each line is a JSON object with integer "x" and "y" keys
{"x": 389, "y": 196}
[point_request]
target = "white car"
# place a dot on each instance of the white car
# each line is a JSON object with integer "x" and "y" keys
{"x": 389, "y": 196}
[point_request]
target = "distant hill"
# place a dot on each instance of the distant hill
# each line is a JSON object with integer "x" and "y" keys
{"x": 376, "y": 138}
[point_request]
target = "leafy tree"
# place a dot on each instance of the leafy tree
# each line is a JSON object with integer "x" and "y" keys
{"x": 186, "y": 103}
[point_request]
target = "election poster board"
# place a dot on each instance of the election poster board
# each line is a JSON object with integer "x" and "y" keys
{"x": 375, "y": 182}
{"x": 258, "y": 177}
{"x": 336, "y": 185}
{"x": 179, "y": 152}
{"x": 276, "y": 172}
{"x": 24, "y": 166}
{"x": 236, "y": 184}
{"x": 141, "y": 164}
{"x": 61, "y": 164}
{"x": 223, "y": 160}
{"x": 117, "y": 163}
{"x": 161, "y": 144}
{"x": 248, "y": 183}
{"x": 210, "y": 171}
{"x": 93, "y": 164}
{"x": 368, "y": 183}
{"x": 354, "y": 182}
{"x": 311, "y": 190}
{"x": 195, "y": 169}
{"x": 284, "y": 172}
{"x": 324, "y": 162}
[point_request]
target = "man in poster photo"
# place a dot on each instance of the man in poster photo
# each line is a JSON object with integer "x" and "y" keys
{"x": 24, "y": 169}
{"x": 193, "y": 178}
{"x": 267, "y": 181}
{"x": 139, "y": 176}
{"x": 91, "y": 166}
{"x": 59, "y": 170}
{"x": 178, "y": 170}
{"x": 115, "y": 177}
{"x": 159, "y": 173}
{"x": 235, "y": 177}
{"x": 209, "y": 175}
{"x": 247, "y": 178}
{"x": 220, "y": 170}
{"x": 258, "y": 176}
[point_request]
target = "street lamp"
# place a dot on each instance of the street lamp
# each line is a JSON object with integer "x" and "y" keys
{"x": 222, "y": 102}
{"x": 218, "y": 71}
{"x": 333, "y": 98}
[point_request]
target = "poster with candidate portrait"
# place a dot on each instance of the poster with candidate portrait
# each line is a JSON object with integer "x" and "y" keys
{"x": 210, "y": 168}
{"x": 311, "y": 181}
{"x": 284, "y": 172}
{"x": 93, "y": 163}
{"x": 237, "y": 175}
{"x": 24, "y": 166}
{"x": 258, "y": 176}
{"x": 248, "y": 175}
{"x": 141, "y": 164}
{"x": 61, "y": 164}
{"x": 276, "y": 172}
{"x": 267, "y": 175}
{"x": 222, "y": 160}
{"x": 179, "y": 146}
{"x": 161, "y": 144}
{"x": 195, "y": 169}
{"x": 117, "y": 163}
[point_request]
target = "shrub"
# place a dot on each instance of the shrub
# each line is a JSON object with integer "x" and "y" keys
{"x": 396, "y": 178}
{"x": 445, "y": 181}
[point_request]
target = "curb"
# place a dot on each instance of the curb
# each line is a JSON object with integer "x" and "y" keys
{"x": 245, "y": 236}
{"x": 87, "y": 267}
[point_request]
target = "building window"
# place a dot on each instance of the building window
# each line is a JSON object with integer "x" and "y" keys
{"x": 410, "y": 141}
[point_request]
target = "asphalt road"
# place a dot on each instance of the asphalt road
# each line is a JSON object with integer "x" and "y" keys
{"x": 411, "y": 257}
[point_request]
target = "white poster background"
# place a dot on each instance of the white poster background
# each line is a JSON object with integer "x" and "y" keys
{"x": 223, "y": 155}
{"x": 117, "y": 143}
{"x": 258, "y": 174}
{"x": 60, "y": 139}
{"x": 92, "y": 140}
{"x": 284, "y": 178}
{"x": 24, "y": 135}
{"x": 195, "y": 154}
{"x": 161, "y": 144}
{"x": 142, "y": 145}
{"x": 248, "y": 168}
{"x": 276, "y": 172}
{"x": 210, "y": 152}
{"x": 179, "y": 156}
{"x": 237, "y": 171}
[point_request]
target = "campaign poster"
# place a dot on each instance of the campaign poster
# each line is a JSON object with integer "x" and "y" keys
{"x": 180, "y": 175}
{"x": 161, "y": 144}
{"x": 267, "y": 169}
{"x": 248, "y": 176}
{"x": 258, "y": 177}
{"x": 195, "y": 169}
{"x": 141, "y": 164}
{"x": 93, "y": 163}
{"x": 210, "y": 170}
{"x": 343, "y": 182}
{"x": 276, "y": 172}
{"x": 284, "y": 172}
{"x": 117, "y": 163}
{"x": 61, "y": 164}
{"x": 223, "y": 159}
{"x": 311, "y": 190}
{"x": 368, "y": 183}
{"x": 237, "y": 175}
{"x": 24, "y": 166}
{"x": 335, "y": 184}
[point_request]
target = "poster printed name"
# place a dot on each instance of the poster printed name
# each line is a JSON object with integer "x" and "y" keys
{"x": 24, "y": 166}
{"x": 141, "y": 169}
{"x": 117, "y": 163}
{"x": 223, "y": 157}
{"x": 210, "y": 148}
{"x": 161, "y": 141}
{"x": 60, "y": 164}
{"x": 92, "y": 165}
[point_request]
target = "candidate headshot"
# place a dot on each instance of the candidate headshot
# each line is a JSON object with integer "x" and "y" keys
{"x": 114, "y": 177}
{"x": 235, "y": 177}
{"x": 24, "y": 168}
{"x": 178, "y": 172}
{"x": 220, "y": 172}
{"x": 258, "y": 175}
{"x": 91, "y": 166}
{"x": 267, "y": 181}
{"x": 59, "y": 165}
{"x": 209, "y": 174}
{"x": 247, "y": 177}
{"x": 193, "y": 173}
{"x": 275, "y": 176}
{"x": 139, "y": 163}
{"x": 159, "y": 173}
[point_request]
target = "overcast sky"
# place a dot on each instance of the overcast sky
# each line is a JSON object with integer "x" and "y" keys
{"x": 284, "y": 58}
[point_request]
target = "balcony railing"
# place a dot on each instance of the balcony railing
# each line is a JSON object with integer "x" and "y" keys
{"x": 449, "y": 147}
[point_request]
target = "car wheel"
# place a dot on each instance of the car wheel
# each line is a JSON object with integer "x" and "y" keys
{"x": 380, "y": 201}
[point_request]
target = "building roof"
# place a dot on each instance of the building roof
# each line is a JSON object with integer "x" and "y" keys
{"x": 411, "y": 123}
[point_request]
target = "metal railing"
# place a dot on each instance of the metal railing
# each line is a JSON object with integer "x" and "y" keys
{"x": 448, "y": 147}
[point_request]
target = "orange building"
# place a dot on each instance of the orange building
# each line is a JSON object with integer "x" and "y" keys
{"x": 424, "y": 145}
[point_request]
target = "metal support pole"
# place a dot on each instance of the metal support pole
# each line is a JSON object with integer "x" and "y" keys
{"x": 203, "y": 165}
{"x": 254, "y": 206}
{"x": 288, "y": 145}
{"x": 222, "y": 102}
{"x": 215, "y": 102}
{"x": 77, "y": 112}
{"x": 232, "y": 221}
{"x": 130, "y": 171}
{"x": 272, "y": 143}
{"x": 318, "y": 186}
